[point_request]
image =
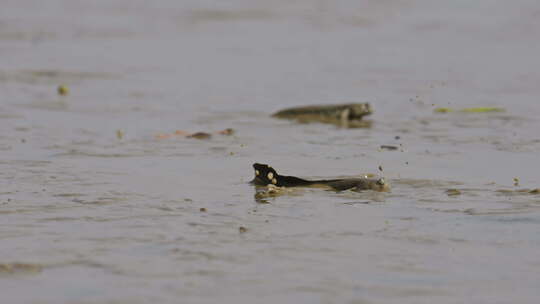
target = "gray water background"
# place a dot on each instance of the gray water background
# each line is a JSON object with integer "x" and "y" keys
{"x": 113, "y": 220}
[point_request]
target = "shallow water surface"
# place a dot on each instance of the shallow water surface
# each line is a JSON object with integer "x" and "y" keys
{"x": 95, "y": 208}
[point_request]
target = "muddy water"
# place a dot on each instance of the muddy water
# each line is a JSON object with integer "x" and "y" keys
{"x": 89, "y": 217}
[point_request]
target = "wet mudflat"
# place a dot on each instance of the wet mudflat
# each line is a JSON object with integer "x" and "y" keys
{"x": 95, "y": 208}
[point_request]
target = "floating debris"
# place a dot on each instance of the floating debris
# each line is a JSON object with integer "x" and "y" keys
{"x": 442, "y": 110}
{"x": 452, "y": 192}
{"x": 202, "y": 209}
{"x": 119, "y": 134}
{"x": 62, "y": 90}
{"x": 22, "y": 268}
{"x": 470, "y": 110}
{"x": 197, "y": 135}
{"x": 228, "y": 131}
{"x": 389, "y": 147}
{"x": 242, "y": 229}
{"x": 519, "y": 191}
{"x": 180, "y": 132}
{"x": 200, "y": 135}
{"x": 163, "y": 136}
{"x": 482, "y": 110}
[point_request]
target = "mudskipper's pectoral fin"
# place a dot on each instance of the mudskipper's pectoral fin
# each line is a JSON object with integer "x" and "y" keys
{"x": 344, "y": 118}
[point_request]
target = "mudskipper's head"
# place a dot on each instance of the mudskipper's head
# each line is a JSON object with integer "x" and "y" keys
{"x": 264, "y": 175}
{"x": 358, "y": 110}
{"x": 380, "y": 185}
